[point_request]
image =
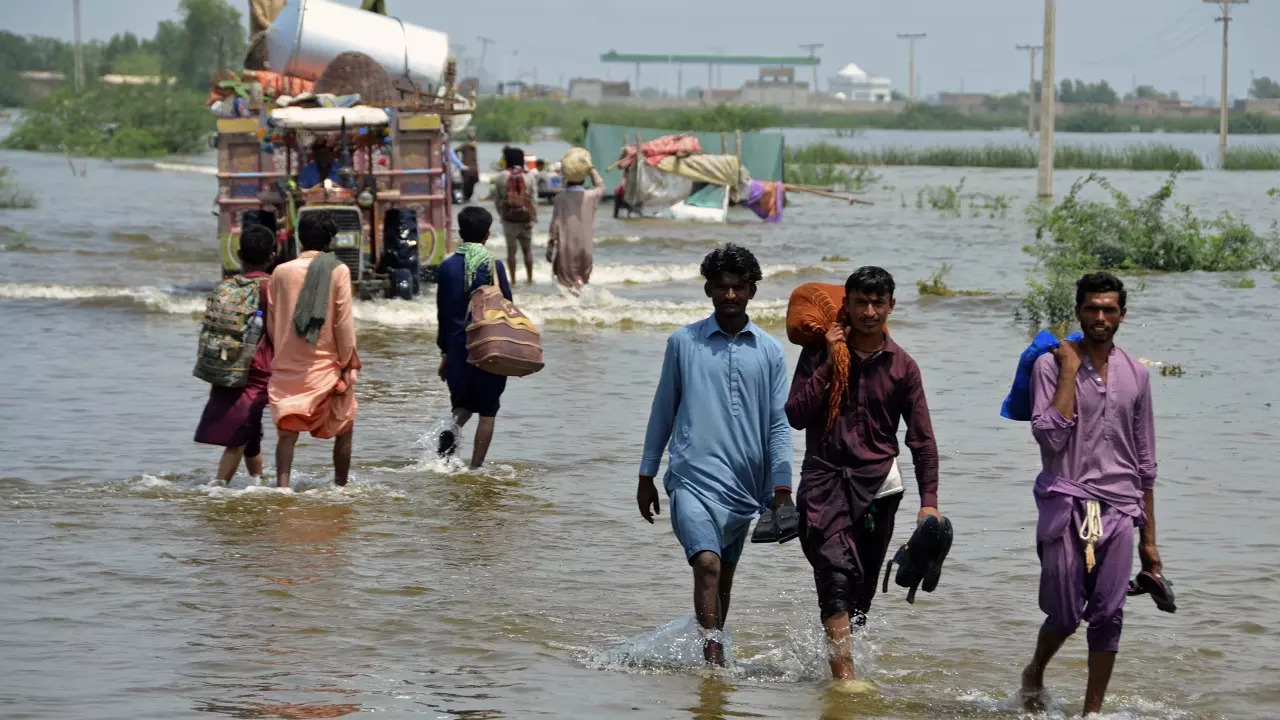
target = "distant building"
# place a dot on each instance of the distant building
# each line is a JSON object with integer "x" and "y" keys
{"x": 776, "y": 87}
{"x": 854, "y": 84}
{"x": 593, "y": 91}
{"x": 39, "y": 83}
{"x": 114, "y": 79}
{"x": 1260, "y": 106}
{"x": 964, "y": 103}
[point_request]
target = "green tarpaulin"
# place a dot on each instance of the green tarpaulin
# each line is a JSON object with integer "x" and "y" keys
{"x": 761, "y": 152}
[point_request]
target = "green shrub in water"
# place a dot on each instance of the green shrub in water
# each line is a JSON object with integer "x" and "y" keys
{"x": 1080, "y": 235}
{"x": 13, "y": 197}
{"x": 115, "y": 121}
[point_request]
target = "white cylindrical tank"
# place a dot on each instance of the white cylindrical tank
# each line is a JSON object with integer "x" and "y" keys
{"x": 309, "y": 33}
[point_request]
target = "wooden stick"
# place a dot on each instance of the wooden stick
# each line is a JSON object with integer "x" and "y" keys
{"x": 824, "y": 193}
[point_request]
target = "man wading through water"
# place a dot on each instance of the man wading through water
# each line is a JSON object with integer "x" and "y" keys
{"x": 1092, "y": 417}
{"x": 515, "y": 196}
{"x": 314, "y": 335}
{"x": 846, "y": 505}
{"x": 720, "y": 404}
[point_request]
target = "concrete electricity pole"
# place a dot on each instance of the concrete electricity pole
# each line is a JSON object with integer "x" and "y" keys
{"x": 1044, "y": 180}
{"x": 77, "y": 73}
{"x": 1226, "y": 23}
{"x": 1031, "y": 89}
{"x": 813, "y": 48}
{"x": 911, "y": 38}
{"x": 484, "y": 49}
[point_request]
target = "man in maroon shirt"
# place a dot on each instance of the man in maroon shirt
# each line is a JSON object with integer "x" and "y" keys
{"x": 846, "y": 506}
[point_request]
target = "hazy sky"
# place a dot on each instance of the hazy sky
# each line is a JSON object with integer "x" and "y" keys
{"x": 1172, "y": 44}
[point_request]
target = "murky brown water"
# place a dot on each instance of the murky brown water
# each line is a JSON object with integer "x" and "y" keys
{"x": 129, "y": 589}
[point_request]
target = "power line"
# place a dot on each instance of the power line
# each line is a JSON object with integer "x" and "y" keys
{"x": 1158, "y": 39}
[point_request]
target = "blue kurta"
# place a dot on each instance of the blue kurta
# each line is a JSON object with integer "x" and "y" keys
{"x": 721, "y": 404}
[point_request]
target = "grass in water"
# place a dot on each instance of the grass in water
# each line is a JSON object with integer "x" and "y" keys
{"x": 834, "y": 258}
{"x": 13, "y": 197}
{"x": 1082, "y": 235}
{"x": 1252, "y": 158}
{"x": 953, "y": 201}
{"x": 1242, "y": 283}
{"x": 828, "y": 175}
{"x": 937, "y": 285}
{"x": 1094, "y": 157}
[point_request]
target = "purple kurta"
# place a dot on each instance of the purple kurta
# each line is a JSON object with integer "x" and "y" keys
{"x": 1106, "y": 453}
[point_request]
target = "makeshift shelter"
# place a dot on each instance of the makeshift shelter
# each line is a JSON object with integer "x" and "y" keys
{"x": 762, "y": 153}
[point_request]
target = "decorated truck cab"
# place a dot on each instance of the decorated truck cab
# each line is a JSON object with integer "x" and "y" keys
{"x": 378, "y": 173}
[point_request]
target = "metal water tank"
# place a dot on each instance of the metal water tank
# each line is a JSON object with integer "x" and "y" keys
{"x": 309, "y": 33}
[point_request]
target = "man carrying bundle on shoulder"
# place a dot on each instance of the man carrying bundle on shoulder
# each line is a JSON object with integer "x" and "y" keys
{"x": 849, "y": 393}
{"x": 1092, "y": 417}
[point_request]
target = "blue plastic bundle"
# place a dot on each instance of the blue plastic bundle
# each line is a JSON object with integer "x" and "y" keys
{"x": 1017, "y": 406}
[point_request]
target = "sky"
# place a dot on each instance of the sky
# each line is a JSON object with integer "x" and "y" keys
{"x": 1171, "y": 44}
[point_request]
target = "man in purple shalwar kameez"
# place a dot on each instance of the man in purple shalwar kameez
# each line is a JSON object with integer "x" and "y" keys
{"x": 1092, "y": 417}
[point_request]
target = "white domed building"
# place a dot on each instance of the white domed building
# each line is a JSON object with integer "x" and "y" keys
{"x": 856, "y": 85}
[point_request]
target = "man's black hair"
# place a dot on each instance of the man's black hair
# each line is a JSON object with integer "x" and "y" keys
{"x": 733, "y": 259}
{"x": 316, "y": 230}
{"x": 870, "y": 280}
{"x": 1099, "y": 282}
{"x": 513, "y": 157}
{"x": 474, "y": 223}
{"x": 256, "y": 243}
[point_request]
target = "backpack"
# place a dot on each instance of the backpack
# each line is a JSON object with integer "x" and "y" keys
{"x": 517, "y": 209}
{"x": 501, "y": 339}
{"x": 227, "y": 346}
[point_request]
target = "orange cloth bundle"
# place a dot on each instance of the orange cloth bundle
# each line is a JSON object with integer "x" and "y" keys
{"x": 811, "y": 311}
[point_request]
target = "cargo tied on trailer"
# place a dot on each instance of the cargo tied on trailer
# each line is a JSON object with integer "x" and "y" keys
{"x": 345, "y": 129}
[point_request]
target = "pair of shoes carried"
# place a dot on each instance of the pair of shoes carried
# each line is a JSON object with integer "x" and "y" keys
{"x": 920, "y": 560}
{"x": 1158, "y": 586}
{"x": 777, "y": 526}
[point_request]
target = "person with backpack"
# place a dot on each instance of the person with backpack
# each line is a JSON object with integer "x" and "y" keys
{"x": 313, "y": 332}
{"x": 236, "y": 316}
{"x": 515, "y": 196}
{"x": 472, "y": 391}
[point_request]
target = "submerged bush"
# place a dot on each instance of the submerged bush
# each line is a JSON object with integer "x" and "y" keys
{"x": 1081, "y": 235}
{"x": 11, "y": 195}
{"x": 115, "y": 121}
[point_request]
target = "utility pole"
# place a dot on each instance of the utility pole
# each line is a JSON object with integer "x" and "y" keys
{"x": 1226, "y": 23}
{"x": 813, "y": 48}
{"x": 1044, "y": 179}
{"x": 1031, "y": 89}
{"x": 484, "y": 49}
{"x": 911, "y": 38}
{"x": 77, "y": 73}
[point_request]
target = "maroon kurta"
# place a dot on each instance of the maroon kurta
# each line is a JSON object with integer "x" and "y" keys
{"x": 842, "y": 471}
{"x": 233, "y": 416}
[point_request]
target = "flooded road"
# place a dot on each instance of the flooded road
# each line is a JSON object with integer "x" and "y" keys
{"x": 130, "y": 589}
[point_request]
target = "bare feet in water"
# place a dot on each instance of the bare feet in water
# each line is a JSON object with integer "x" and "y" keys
{"x": 713, "y": 652}
{"x": 1031, "y": 695}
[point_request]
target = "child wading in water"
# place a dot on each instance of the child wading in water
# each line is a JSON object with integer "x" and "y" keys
{"x": 233, "y": 416}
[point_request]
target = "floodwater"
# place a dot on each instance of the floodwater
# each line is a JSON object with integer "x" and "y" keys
{"x": 130, "y": 589}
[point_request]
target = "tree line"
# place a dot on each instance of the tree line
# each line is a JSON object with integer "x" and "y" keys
{"x": 209, "y": 35}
